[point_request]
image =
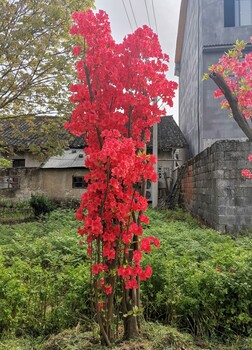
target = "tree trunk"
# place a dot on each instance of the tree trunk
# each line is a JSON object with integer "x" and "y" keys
{"x": 233, "y": 103}
{"x": 131, "y": 329}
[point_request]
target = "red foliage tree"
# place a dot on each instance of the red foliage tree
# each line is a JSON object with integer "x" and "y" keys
{"x": 115, "y": 108}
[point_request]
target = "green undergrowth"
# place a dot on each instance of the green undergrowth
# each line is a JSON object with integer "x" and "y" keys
{"x": 201, "y": 285}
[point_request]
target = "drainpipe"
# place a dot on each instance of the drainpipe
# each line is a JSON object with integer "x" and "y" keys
{"x": 198, "y": 92}
{"x": 155, "y": 153}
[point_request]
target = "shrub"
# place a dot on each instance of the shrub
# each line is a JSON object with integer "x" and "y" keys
{"x": 201, "y": 280}
{"x": 41, "y": 205}
{"x": 44, "y": 280}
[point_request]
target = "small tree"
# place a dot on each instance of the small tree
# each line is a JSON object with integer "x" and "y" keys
{"x": 115, "y": 108}
{"x": 233, "y": 75}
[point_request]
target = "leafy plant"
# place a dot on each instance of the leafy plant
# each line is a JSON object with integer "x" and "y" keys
{"x": 201, "y": 280}
{"x": 41, "y": 205}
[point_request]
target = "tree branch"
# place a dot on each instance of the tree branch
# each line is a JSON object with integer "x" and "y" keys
{"x": 233, "y": 103}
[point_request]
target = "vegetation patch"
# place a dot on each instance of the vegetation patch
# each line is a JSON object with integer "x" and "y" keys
{"x": 201, "y": 285}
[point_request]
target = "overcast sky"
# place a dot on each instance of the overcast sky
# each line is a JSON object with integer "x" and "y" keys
{"x": 166, "y": 13}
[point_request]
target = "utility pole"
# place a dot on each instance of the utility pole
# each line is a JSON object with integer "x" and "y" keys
{"x": 155, "y": 153}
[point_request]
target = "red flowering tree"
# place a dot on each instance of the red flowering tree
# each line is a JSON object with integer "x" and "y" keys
{"x": 233, "y": 76}
{"x": 115, "y": 107}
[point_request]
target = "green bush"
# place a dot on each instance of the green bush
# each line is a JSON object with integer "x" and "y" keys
{"x": 202, "y": 280}
{"x": 41, "y": 205}
{"x": 44, "y": 276}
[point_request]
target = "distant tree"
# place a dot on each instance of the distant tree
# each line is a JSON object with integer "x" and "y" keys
{"x": 36, "y": 66}
{"x": 36, "y": 63}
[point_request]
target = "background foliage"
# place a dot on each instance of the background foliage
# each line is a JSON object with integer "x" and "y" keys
{"x": 36, "y": 68}
{"x": 36, "y": 63}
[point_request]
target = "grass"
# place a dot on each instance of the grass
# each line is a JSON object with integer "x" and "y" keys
{"x": 154, "y": 336}
{"x": 193, "y": 261}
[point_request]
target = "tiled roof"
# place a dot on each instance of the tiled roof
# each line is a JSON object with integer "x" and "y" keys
{"x": 24, "y": 132}
{"x": 169, "y": 135}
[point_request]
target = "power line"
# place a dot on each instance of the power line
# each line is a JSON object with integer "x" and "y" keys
{"x": 155, "y": 19}
{"x": 127, "y": 15}
{"x": 147, "y": 12}
{"x": 133, "y": 13}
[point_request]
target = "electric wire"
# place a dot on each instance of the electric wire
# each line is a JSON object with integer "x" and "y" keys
{"x": 154, "y": 14}
{"x": 147, "y": 12}
{"x": 133, "y": 13}
{"x": 127, "y": 15}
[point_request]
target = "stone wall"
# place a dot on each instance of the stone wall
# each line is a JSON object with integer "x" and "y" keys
{"x": 213, "y": 188}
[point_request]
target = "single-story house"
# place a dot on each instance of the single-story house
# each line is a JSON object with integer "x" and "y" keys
{"x": 61, "y": 176}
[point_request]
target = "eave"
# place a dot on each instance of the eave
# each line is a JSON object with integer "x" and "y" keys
{"x": 180, "y": 35}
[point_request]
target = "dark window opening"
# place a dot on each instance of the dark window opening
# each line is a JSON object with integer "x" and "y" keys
{"x": 79, "y": 182}
{"x": 237, "y": 13}
{"x": 18, "y": 163}
{"x": 229, "y": 13}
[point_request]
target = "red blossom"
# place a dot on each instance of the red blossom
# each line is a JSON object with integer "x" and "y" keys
{"x": 146, "y": 245}
{"x": 97, "y": 268}
{"x": 114, "y": 111}
{"x": 100, "y": 305}
{"x": 137, "y": 257}
{"x": 124, "y": 272}
{"x": 144, "y": 218}
{"x": 156, "y": 242}
{"x": 108, "y": 289}
{"x": 77, "y": 50}
{"x": 131, "y": 284}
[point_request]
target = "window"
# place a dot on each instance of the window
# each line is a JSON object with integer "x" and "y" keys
{"x": 9, "y": 182}
{"x": 243, "y": 12}
{"x": 237, "y": 13}
{"x": 79, "y": 182}
{"x": 18, "y": 163}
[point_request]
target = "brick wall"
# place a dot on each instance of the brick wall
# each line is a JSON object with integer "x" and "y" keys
{"x": 213, "y": 188}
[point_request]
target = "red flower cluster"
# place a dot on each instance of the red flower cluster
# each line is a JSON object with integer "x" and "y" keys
{"x": 115, "y": 108}
{"x": 236, "y": 68}
{"x": 247, "y": 173}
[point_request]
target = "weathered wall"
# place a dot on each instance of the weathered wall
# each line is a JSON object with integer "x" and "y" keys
{"x": 213, "y": 188}
{"x": 54, "y": 183}
{"x": 30, "y": 160}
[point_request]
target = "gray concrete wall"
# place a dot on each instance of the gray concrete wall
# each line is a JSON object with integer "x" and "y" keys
{"x": 189, "y": 78}
{"x": 54, "y": 183}
{"x": 213, "y": 188}
{"x": 213, "y": 30}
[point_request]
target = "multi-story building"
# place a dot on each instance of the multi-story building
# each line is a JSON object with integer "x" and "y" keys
{"x": 207, "y": 29}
